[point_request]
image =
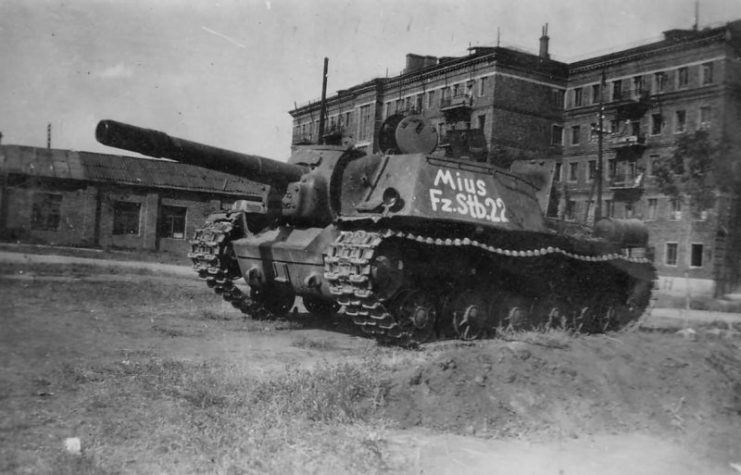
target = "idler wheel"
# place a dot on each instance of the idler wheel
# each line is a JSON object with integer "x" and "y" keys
{"x": 469, "y": 312}
{"x": 416, "y": 312}
{"x": 319, "y": 306}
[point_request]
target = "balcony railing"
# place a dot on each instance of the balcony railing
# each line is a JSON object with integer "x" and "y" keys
{"x": 460, "y": 100}
{"x": 626, "y": 180}
{"x": 618, "y": 141}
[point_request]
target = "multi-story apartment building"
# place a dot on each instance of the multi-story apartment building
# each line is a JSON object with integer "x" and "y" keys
{"x": 650, "y": 96}
{"x": 515, "y": 98}
{"x": 531, "y": 106}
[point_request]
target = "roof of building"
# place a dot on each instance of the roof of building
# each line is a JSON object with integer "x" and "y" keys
{"x": 523, "y": 60}
{"x": 676, "y": 39}
{"x": 103, "y": 168}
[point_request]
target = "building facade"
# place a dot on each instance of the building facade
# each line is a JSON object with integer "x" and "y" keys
{"x": 64, "y": 197}
{"x": 529, "y": 106}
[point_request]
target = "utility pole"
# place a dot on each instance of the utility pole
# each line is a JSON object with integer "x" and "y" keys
{"x": 323, "y": 106}
{"x": 600, "y": 138}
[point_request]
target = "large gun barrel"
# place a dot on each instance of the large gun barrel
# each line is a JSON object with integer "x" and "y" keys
{"x": 158, "y": 144}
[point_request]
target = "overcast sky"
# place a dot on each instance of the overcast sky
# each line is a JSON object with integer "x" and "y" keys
{"x": 226, "y": 73}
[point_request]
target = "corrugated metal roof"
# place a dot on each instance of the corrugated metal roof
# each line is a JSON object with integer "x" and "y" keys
{"x": 98, "y": 167}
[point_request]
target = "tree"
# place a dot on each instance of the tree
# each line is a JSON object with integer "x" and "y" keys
{"x": 698, "y": 168}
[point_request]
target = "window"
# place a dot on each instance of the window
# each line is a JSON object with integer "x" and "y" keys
{"x": 653, "y": 161}
{"x": 364, "y": 122}
{"x": 557, "y": 172}
{"x": 696, "y": 255}
{"x": 558, "y": 98}
{"x": 456, "y": 90}
{"x": 388, "y": 109}
{"x": 172, "y": 222}
{"x": 418, "y": 105}
{"x": 628, "y": 211}
{"x": 347, "y": 119}
{"x": 482, "y": 86}
{"x": 705, "y": 116}
{"x": 126, "y": 217}
{"x": 683, "y": 77}
{"x": 556, "y": 135}
{"x": 611, "y": 168}
{"x": 596, "y": 96}
{"x": 592, "y": 172}
{"x": 575, "y": 135}
{"x": 675, "y": 209}
{"x": 609, "y": 208}
{"x": 617, "y": 90}
{"x": 707, "y": 73}
{"x": 430, "y": 99}
{"x": 46, "y": 211}
{"x": 635, "y": 128}
{"x": 659, "y": 81}
{"x": 651, "y": 212}
{"x": 578, "y": 97}
{"x": 680, "y": 121}
{"x": 570, "y": 210}
{"x": 670, "y": 254}
{"x": 573, "y": 171}
{"x": 637, "y": 85}
{"x": 481, "y": 119}
{"x": 657, "y": 123}
{"x": 614, "y": 126}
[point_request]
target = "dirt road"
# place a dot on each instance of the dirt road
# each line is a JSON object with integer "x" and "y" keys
{"x": 155, "y": 374}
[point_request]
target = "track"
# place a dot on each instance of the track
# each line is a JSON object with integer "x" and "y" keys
{"x": 563, "y": 288}
{"x": 214, "y": 260}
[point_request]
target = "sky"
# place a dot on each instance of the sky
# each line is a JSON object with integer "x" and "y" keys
{"x": 226, "y": 73}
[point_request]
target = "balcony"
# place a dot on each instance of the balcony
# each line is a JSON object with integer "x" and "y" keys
{"x": 457, "y": 108}
{"x": 624, "y": 141}
{"x": 631, "y": 104}
{"x": 333, "y": 135}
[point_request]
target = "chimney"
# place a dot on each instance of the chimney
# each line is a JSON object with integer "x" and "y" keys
{"x": 415, "y": 62}
{"x": 544, "y": 43}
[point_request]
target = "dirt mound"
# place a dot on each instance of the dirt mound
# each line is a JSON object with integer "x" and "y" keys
{"x": 555, "y": 386}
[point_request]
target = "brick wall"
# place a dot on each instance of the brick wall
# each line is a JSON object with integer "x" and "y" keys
{"x": 86, "y": 212}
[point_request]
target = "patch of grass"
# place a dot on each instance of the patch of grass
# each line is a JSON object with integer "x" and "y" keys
{"x": 209, "y": 314}
{"x": 168, "y": 331}
{"x": 83, "y": 464}
{"x": 344, "y": 392}
{"x": 205, "y": 417}
{"x": 314, "y": 343}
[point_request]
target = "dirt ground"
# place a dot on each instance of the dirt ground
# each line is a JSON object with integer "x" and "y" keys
{"x": 154, "y": 374}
